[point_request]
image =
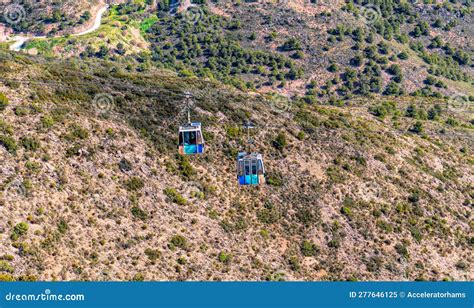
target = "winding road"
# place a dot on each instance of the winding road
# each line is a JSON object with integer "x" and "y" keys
{"x": 19, "y": 41}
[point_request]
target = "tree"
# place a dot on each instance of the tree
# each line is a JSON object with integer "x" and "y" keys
{"x": 333, "y": 68}
{"x": 56, "y": 15}
{"x": 393, "y": 89}
{"x": 417, "y": 128}
{"x": 291, "y": 44}
{"x": 103, "y": 51}
{"x": 280, "y": 141}
{"x": 403, "y": 55}
{"x": 120, "y": 48}
{"x": 86, "y": 15}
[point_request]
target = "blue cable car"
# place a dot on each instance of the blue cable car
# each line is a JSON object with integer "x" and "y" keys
{"x": 250, "y": 169}
{"x": 191, "y": 140}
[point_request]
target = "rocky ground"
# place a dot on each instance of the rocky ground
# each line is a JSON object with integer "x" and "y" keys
{"x": 92, "y": 188}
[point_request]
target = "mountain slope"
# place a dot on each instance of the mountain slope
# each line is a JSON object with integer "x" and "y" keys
{"x": 324, "y": 51}
{"x": 374, "y": 189}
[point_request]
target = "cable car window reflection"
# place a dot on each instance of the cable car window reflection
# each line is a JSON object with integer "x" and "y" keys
{"x": 181, "y": 138}
{"x": 247, "y": 168}
{"x": 254, "y": 167}
{"x": 189, "y": 138}
{"x": 199, "y": 138}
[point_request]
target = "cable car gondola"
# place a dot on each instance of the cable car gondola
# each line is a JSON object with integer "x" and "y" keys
{"x": 191, "y": 139}
{"x": 250, "y": 167}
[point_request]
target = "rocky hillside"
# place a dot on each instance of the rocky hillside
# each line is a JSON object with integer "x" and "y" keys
{"x": 92, "y": 189}
{"x": 326, "y": 51}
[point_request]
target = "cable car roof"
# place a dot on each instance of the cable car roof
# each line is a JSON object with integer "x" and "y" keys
{"x": 194, "y": 126}
{"x": 245, "y": 156}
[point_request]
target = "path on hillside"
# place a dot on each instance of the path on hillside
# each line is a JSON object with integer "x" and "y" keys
{"x": 19, "y": 41}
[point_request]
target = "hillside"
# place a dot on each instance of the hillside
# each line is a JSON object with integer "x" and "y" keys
{"x": 92, "y": 189}
{"x": 363, "y": 113}
{"x": 323, "y": 51}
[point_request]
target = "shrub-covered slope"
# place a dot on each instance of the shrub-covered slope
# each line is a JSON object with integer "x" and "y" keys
{"x": 92, "y": 188}
{"x": 327, "y": 51}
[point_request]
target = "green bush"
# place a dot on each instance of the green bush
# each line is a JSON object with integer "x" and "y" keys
{"x": 19, "y": 230}
{"x": 139, "y": 213}
{"x": 268, "y": 215}
{"x": 294, "y": 263}
{"x": 175, "y": 196}
{"x": 309, "y": 249}
{"x": 402, "y": 250}
{"x": 152, "y": 254}
{"x": 416, "y": 233}
{"x": 274, "y": 179}
{"x": 224, "y": 257}
{"x": 7, "y": 257}
{"x": 178, "y": 241}
{"x": 383, "y": 109}
{"x": 6, "y": 277}
{"x": 184, "y": 166}
{"x": 6, "y": 267}
{"x": 77, "y": 132}
{"x": 9, "y": 143}
{"x": 3, "y": 101}
{"x": 62, "y": 226}
{"x": 138, "y": 277}
{"x": 417, "y": 128}
{"x": 345, "y": 210}
{"x": 47, "y": 121}
{"x": 134, "y": 184}
{"x": 280, "y": 141}
{"x": 30, "y": 144}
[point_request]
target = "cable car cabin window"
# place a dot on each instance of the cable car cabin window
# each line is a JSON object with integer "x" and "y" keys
{"x": 254, "y": 167}
{"x": 241, "y": 168}
{"x": 250, "y": 167}
{"x": 199, "y": 138}
{"x": 260, "y": 167}
{"x": 188, "y": 138}
{"x": 247, "y": 167}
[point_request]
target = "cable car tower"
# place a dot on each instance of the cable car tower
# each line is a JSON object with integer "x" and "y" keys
{"x": 250, "y": 167}
{"x": 191, "y": 140}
